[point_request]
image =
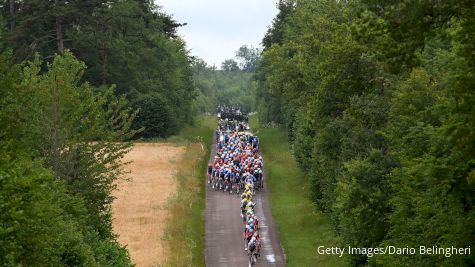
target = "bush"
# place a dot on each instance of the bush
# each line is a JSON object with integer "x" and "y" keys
{"x": 155, "y": 116}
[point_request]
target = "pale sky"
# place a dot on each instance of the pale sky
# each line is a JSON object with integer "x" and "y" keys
{"x": 217, "y": 28}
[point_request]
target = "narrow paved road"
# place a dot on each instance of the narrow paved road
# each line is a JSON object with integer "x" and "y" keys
{"x": 224, "y": 227}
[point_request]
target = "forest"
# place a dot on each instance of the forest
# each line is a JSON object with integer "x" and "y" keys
{"x": 77, "y": 77}
{"x": 377, "y": 100}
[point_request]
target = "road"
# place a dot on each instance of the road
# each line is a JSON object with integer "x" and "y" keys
{"x": 224, "y": 227}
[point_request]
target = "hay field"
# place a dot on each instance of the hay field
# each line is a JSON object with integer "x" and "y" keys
{"x": 140, "y": 210}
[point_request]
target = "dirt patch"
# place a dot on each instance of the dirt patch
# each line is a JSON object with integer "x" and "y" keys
{"x": 140, "y": 210}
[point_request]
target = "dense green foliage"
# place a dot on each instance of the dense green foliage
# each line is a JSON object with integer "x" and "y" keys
{"x": 63, "y": 124}
{"x": 377, "y": 99}
{"x": 129, "y": 43}
{"x": 58, "y": 166}
{"x": 248, "y": 57}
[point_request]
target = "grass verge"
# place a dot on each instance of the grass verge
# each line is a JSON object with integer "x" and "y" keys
{"x": 301, "y": 228}
{"x": 184, "y": 233}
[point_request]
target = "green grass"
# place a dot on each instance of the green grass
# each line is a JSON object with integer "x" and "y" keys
{"x": 301, "y": 228}
{"x": 185, "y": 229}
{"x": 202, "y": 132}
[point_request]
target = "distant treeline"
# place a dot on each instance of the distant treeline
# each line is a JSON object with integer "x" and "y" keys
{"x": 231, "y": 85}
{"x": 378, "y": 100}
{"x": 77, "y": 80}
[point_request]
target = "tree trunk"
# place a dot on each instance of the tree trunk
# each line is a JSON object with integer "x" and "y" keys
{"x": 59, "y": 32}
{"x": 12, "y": 16}
{"x": 59, "y": 35}
{"x": 104, "y": 55}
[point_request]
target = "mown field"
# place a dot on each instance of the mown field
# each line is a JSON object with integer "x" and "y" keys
{"x": 301, "y": 228}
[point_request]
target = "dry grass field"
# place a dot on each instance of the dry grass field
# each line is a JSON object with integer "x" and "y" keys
{"x": 141, "y": 210}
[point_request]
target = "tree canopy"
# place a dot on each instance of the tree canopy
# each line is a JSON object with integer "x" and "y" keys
{"x": 129, "y": 43}
{"x": 377, "y": 99}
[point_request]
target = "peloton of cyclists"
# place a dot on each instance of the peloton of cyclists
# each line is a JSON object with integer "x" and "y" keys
{"x": 237, "y": 162}
{"x": 238, "y": 167}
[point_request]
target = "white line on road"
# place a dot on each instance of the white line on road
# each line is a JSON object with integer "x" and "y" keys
{"x": 267, "y": 246}
{"x": 270, "y": 258}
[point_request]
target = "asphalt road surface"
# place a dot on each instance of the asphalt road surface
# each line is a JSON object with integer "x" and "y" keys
{"x": 224, "y": 229}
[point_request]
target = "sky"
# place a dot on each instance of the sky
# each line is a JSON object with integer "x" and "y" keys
{"x": 217, "y": 28}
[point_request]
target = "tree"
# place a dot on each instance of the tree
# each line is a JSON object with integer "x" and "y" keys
{"x": 132, "y": 44}
{"x": 141, "y": 56}
{"x": 432, "y": 185}
{"x": 71, "y": 130}
{"x": 249, "y": 58}
{"x": 229, "y": 65}
{"x": 155, "y": 116}
{"x": 275, "y": 33}
{"x": 32, "y": 214}
{"x": 44, "y": 26}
